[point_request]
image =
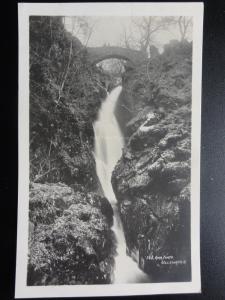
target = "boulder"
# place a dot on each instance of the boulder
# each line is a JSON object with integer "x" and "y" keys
{"x": 70, "y": 240}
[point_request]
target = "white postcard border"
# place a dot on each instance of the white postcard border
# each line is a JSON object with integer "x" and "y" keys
{"x": 106, "y": 9}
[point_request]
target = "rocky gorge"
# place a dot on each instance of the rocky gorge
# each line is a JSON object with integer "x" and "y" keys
{"x": 70, "y": 221}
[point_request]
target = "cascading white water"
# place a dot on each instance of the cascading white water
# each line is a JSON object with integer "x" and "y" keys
{"x": 108, "y": 149}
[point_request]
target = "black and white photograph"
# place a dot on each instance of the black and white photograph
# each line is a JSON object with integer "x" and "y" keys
{"x": 109, "y": 149}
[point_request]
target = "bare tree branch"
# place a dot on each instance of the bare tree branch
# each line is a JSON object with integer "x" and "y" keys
{"x": 184, "y": 24}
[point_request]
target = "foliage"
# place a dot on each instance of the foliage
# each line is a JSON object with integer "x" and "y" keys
{"x": 143, "y": 31}
{"x": 184, "y": 24}
{"x": 65, "y": 93}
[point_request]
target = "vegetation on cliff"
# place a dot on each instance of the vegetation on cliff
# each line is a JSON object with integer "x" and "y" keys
{"x": 70, "y": 238}
{"x": 65, "y": 94}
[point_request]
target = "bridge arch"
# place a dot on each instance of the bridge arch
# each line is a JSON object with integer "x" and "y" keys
{"x": 98, "y": 54}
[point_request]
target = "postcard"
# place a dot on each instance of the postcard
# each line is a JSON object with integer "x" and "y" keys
{"x": 109, "y": 149}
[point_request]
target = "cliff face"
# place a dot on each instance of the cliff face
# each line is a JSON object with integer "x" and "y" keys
{"x": 70, "y": 237}
{"x": 152, "y": 179}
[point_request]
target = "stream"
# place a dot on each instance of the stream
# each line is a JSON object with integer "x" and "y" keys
{"x": 108, "y": 150}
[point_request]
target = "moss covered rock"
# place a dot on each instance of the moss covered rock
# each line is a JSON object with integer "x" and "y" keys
{"x": 70, "y": 239}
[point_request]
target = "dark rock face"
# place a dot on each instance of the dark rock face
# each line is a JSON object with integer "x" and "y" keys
{"x": 152, "y": 179}
{"x": 70, "y": 240}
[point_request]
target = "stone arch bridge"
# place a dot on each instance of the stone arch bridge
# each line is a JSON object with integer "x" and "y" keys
{"x": 98, "y": 54}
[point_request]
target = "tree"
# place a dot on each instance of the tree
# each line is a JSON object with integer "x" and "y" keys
{"x": 78, "y": 26}
{"x": 81, "y": 27}
{"x": 127, "y": 39}
{"x": 143, "y": 30}
{"x": 184, "y": 24}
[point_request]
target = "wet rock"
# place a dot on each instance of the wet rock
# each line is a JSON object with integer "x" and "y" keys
{"x": 146, "y": 136}
{"x": 183, "y": 149}
{"x": 170, "y": 139}
{"x": 176, "y": 185}
{"x": 156, "y": 167}
{"x": 184, "y": 195}
{"x": 168, "y": 155}
{"x": 139, "y": 182}
{"x": 127, "y": 155}
{"x": 135, "y": 122}
{"x": 181, "y": 169}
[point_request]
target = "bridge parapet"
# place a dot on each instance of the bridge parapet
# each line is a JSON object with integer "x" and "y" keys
{"x": 97, "y": 54}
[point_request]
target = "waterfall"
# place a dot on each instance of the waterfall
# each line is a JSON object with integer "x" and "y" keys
{"x": 108, "y": 150}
